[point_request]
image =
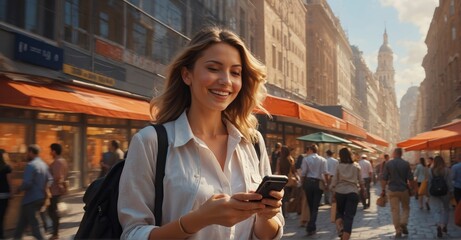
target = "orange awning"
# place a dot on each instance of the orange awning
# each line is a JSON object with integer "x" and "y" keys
{"x": 356, "y": 130}
{"x": 63, "y": 97}
{"x": 288, "y": 108}
{"x": 371, "y": 138}
{"x": 363, "y": 145}
{"x": 444, "y": 137}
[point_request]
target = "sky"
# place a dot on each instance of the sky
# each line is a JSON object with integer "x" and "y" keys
{"x": 407, "y": 23}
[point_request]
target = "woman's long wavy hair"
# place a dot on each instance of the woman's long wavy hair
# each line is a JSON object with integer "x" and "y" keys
{"x": 176, "y": 96}
{"x": 439, "y": 166}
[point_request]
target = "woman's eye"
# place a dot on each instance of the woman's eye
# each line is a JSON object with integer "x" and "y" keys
{"x": 212, "y": 69}
{"x": 236, "y": 73}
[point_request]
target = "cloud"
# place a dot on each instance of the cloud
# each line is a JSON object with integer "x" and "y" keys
{"x": 408, "y": 69}
{"x": 418, "y": 12}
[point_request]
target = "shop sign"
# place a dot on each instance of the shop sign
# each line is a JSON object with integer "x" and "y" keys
{"x": 109, "y": 50}
{"x": 36, "y": 52}
{"x": 88, "y": 75}
{"x": 139, "y": 61}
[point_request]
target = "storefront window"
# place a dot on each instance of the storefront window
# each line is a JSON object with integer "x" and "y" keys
{"x": 70, "y": 140}
{"x": 98, "y": 140}
{"x": 13, "y": 141}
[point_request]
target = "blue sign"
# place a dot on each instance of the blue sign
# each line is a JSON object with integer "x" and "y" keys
{"x": 36, "y": 52}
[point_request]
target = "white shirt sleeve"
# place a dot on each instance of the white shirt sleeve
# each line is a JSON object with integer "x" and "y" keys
{"x": 136, "y": 189}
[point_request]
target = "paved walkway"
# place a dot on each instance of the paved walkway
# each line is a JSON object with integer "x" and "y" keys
{"x": 372, "y": 223}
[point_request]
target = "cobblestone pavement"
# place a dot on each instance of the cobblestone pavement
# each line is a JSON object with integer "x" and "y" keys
{"x": 372, "y": 223}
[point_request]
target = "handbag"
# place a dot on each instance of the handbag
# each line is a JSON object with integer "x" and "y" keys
{"x": 423, "y": 188}
{"x": 381, "y": 201}
{"x": 333, "y": 213}
{"x": 293, "y": 180}
{"x": 458, "y": 214}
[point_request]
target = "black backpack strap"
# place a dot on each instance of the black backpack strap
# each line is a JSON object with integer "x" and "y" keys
{"x": 257, "y": 149}
{"x": 162, "y": 140}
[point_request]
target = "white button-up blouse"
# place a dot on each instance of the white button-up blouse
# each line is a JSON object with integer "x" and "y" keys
{"x": 192, "y": 175}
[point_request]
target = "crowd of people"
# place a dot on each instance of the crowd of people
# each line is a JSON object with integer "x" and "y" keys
{"x": 348, "y": 182}
{"x": 43, "y": 185}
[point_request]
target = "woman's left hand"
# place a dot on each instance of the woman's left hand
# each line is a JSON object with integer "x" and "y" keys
{"x": 272, "y": 205}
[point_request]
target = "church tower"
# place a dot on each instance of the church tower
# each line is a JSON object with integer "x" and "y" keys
{"x": 385, "y": 70}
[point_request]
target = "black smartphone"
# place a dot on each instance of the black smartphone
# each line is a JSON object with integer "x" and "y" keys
{"x": 271, "y": 182}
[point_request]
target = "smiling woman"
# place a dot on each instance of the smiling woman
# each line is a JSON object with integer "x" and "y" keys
{"x": 212, "y": 168}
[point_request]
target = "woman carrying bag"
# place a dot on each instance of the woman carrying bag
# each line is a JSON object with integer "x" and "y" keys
{"x": 441, "y": 189}
{"x": 421, "y": 175}
{"x": 346, "y": 192}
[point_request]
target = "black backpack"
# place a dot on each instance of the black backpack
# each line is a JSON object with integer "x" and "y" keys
{"x": 100, "y": 220}
{"x": 439, "y": 186}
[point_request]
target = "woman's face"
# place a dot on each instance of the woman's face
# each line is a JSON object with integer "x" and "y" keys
{"x": 216, "y": 78}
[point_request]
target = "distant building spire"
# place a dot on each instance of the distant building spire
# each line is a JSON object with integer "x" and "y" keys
{"x": 385, "y": 36}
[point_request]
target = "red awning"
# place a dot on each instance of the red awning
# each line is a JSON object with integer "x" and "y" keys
{"x": 58, "y": 96}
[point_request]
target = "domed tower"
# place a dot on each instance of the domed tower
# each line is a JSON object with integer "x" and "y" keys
{"x": 385, "y": 70}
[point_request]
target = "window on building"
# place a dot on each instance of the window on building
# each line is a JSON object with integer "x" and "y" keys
{"x": 76, "y": 22}
{"x": 169, "y": 12}
{"x": 280, "y": 61}
{"x": 452, "y": 7}
{"x": 274, "y": 56}
{"x": 453, "y": 33}
{"x": 36, "y": 16}
{"x": 110, "y": 20}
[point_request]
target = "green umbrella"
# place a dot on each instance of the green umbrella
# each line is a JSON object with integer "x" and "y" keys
{"x": 321, "y": 137}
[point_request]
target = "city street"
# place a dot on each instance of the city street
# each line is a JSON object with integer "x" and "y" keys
{"x": 373, "y": 223}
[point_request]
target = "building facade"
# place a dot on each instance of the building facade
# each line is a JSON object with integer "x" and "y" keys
{"x": 281, "y": 46}
{"x": 322, "y": 83}
{"x": 408, "y": 105}
{"x": 440, "y": 92}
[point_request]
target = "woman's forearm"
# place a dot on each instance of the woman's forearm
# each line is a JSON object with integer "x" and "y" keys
{"x": 182, "y": 228}
{"x": 266, "y": 228}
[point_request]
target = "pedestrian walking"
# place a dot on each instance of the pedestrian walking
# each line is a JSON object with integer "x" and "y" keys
{"x": 366, "y": 173}
{"x": 314, "y": 171}
{"x": 421, "y": 176}
{"x": 114, "y": 147}
{"x": 345, "y": 189}
{"x": 456, "y": 177}
{"x": 5, "y": 180}
{"x": 380, "y": 167}
{"x": 305, "y": 212}
{"x": 59, "y": 187}
{"x": 211, "y": 91}
{"x": 274, "y": 156}
{"x": 286, "y": 166}
{"x": 398, "y": 179}
{"x": 35, "y": 181}
{"x": 332, "y": 163}
{"x": 441, "y": 190}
